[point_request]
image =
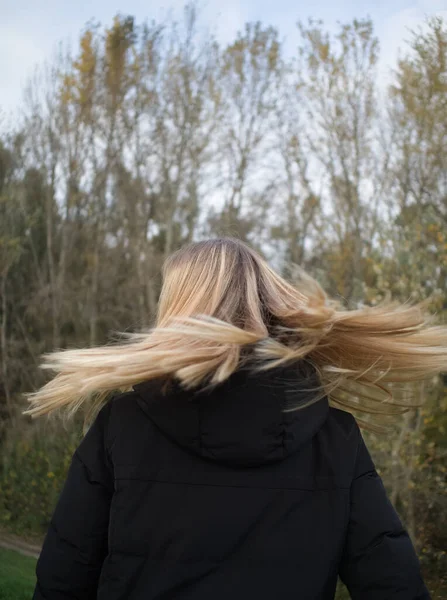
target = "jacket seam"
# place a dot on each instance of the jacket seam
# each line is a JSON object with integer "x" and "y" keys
{"x": 302, "y": 489}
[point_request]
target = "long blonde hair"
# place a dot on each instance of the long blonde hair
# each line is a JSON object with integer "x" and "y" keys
{"x": 222, "y": 305}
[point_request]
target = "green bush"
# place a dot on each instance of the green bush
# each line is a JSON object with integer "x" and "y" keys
{"x": 33, "y": 469}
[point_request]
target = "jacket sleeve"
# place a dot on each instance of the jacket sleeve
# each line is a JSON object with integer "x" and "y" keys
{"x": 76, "y": 542}
{"x": 379, "y": 560}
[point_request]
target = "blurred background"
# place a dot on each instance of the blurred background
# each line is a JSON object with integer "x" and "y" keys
{"x": 317, "y": 135}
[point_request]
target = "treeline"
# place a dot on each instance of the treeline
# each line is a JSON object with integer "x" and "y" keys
{"x": 151, "y": 135}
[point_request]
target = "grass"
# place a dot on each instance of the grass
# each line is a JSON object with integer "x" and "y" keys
{"x": 17, "y": 578}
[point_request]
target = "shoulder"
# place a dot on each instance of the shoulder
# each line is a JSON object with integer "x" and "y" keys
{"x": 123, "y": 413}
{"x": 344, "y": 423}
{"x": 338, "y": 440}
{"x": 131, "y": 434}
{"x": 123, "y": 403}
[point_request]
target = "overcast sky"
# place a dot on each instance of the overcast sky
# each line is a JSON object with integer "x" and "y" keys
{"x": 31, "y": 29}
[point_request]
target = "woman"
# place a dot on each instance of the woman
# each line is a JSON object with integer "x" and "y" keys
{"x": 229, "y": 464}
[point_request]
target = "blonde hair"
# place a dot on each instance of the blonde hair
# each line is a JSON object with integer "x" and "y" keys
{"x": 222, "y": 307}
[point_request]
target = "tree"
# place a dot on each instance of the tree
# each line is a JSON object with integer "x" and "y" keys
{"x": 336, "y": 80}
{"x": 250, "y": 71}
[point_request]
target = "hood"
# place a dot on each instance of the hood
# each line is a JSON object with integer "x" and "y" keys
{"x": 240, "y": 422}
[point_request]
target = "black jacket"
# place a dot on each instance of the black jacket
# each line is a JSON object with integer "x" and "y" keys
{"x": 222, "y": 495}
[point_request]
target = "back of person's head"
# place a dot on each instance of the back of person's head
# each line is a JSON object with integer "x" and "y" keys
{"x": 222, "y": 306}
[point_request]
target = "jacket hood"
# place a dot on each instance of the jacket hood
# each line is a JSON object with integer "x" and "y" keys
{"x": 240, "y": 422}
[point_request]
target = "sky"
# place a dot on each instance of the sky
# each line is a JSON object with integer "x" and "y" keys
{"x": 30, "y": 30}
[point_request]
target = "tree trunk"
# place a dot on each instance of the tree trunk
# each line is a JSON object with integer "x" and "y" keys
{"x": 4, "y": 348}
